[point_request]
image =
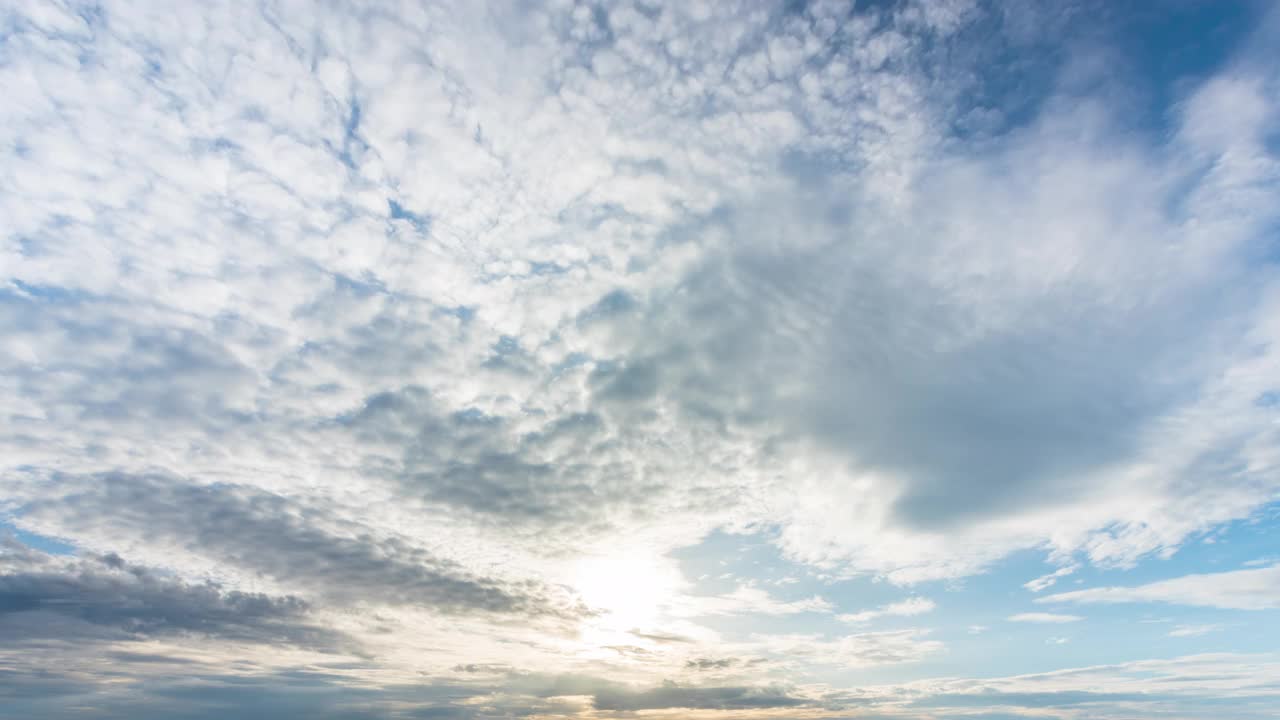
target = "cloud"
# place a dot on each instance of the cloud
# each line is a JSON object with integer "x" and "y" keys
{"x": 903, "y": 608}
{"x": 386, "y": 318}
{"x": 293, "y": 692}
{"x": 866, "y": 649}
{"x": 1195, "y": 686}
{"x": 747, "y": 600}
{"x": 496, "y": 340}
{"x": 695, "y": 698}
{"x": 47, "y": 597}
{"x": 1040, "y": 617}
{"x": 1045, "y": 581}
{"x": 1193, "y": 630}
{"x": 710, "y": 663}
{"x": 1254, "y": 589}
{"x": 281, "y": 539}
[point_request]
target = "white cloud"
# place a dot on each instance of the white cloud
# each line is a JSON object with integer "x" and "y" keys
{"x": 1046, "y": 581}
{"x": 746, "y": 600}
{"x": 1193, "y": 630}
{"x": 1041, "y": 617}
{"x": 856, "y": 650}
{"x": 1254, "y": 589}
{"x": 903, "y": 608}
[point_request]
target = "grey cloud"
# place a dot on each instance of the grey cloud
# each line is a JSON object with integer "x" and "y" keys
{"x": 482, "y": 668}
{"x": 710, "y": 663}
{"x": 608, "y": 695}
{"x": 20, "y": 684}
{"x": 333, "y": 696}
{"x": 987, "y": 385}
{"x": 1066, "y": 698}
{"x": 636, "y": 382}
{"x": 614, "y": 304}
{"x": 696, "y": 698}
{"x": 42, "y": 596}
{"x": 662, "y": 638}
{"x": 196, "y": 696}
{"x": 103, "y": 368}
{"x": 1105, "y": 704}
{"x": 981, "y": 423}
{"x": 284, "y": 539}
{"x": 366, "y": 334}
{"x": 565, "y": 474}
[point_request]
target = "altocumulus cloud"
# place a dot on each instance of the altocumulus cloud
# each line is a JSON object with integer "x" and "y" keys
{"x": 446, "y": 359}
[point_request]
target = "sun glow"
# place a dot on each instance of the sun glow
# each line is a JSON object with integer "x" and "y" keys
{"x": 629, "y": 589}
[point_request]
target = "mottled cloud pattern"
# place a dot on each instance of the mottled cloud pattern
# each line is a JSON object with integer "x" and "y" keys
{"x": 903, "y": 359}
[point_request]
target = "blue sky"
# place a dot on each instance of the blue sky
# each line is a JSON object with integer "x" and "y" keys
{"x": 898, "y": 359}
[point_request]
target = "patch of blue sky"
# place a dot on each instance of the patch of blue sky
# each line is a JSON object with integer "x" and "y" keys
{"x": 53, "y": 546}
{"x": 1156, "y": 53}
{"x": 420, "y": 221}
{"x": 1107, "y": 633}
{"x": 972, "y": 615}
{"x": 21, "y": 291}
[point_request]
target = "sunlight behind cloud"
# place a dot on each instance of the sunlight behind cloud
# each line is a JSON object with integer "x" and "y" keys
{"x": 629, "y": 588}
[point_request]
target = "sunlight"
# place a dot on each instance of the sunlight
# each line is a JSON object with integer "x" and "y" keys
{"x": 629, "y": 588}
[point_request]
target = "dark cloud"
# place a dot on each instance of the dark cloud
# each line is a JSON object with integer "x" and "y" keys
{"x": 287, "y": 540}
{"x": 695, "y": 698}
{"x": 19, "y": 683}
{"x": 289, "y": 693}
{"x": 208, "y": 697}
{"x": 43, "y": 596}
{"x": 609, "y": 695}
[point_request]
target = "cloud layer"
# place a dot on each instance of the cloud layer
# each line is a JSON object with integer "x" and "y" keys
{"x": 432, "y": 359}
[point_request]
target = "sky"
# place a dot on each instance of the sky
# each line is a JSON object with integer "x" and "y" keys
{"x": 895, "y": 360}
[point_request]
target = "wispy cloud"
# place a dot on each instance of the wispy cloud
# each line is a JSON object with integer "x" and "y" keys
{"x": 1046, "y": 581}
{"x": 1193, "y": 630}
{"x": 903, "y": 608}
{"x": 1041, "y": 617}
{"x": 1255, "y": 589}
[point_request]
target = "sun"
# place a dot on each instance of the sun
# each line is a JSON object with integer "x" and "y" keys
{"x": 629, "y": 588}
